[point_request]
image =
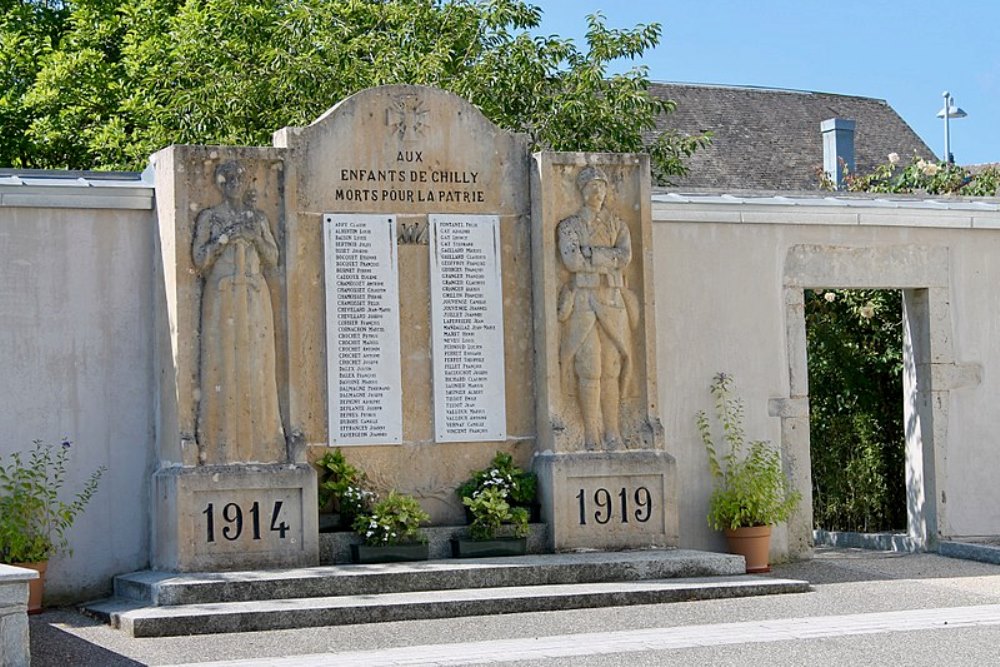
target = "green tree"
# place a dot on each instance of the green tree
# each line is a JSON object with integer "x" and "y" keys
{"x": 120, "y": 79}
{"x": 856, "y": 414}
{"x": 29, "y": 31}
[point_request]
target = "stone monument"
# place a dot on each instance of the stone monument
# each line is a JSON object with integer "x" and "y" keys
{"x": 408, "y": 227}
{"x": 605, "y": 477}
{"x": 232, "y": 491}
{"x": 238, "y": 416}
{"x": 399, "y": 279}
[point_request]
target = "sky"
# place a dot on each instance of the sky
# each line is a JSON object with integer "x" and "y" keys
{"x": 906, "y": 52}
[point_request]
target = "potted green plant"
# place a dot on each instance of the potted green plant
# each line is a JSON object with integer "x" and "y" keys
{"x": 518, "y": 486}
{"x": 751, "y": 492}
{"x": 34, "y": 520}
{"x": 343, "y": 492}
{"x": 391, "y": 531}
{"x": 500, "y": 501}
{"x": 497, "y": 529}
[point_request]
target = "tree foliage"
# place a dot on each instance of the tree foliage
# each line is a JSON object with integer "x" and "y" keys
{"x": 857, "y": 439}
{"x": 104, "y": 83}
{"x": 921, "y": 177}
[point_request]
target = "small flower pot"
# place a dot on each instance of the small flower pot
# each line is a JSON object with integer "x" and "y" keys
{"x": 497, "y": 547}
{"x": 754, "y": 544}
{"x": 36, "y": 586}
{"x": 390, "y": 553}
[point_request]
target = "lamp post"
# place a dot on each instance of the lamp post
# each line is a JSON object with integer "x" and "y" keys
{"x": 949, "y": 111}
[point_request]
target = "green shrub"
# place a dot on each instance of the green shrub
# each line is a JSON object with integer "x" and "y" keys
{"x": 33, "y": 519}
{"x": 342, "y": 487}
{"x": 751, "y": 488}
{"x": 518, "y": 486}
{"x": 494, "y": 517}
{"x": 396, "y": 519}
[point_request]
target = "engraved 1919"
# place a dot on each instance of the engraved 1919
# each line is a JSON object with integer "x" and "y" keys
{"x": 622, "y": 505}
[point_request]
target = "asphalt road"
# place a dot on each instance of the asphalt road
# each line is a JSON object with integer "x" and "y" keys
{"x": 866, "y": 608}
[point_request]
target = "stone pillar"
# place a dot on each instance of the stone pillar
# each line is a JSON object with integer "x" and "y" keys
{"x": 232, "y": 490}
{"x": 605, "y": 478}
{"x": 15, "y": 650}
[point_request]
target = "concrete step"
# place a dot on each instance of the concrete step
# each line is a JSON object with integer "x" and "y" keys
{"x": 160, "y": 588}
{"x": 225, "y": 617}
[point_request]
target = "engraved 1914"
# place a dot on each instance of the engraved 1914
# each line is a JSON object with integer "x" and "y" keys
{"x": 232, "y": 522}
{"x": 240, "y": 520}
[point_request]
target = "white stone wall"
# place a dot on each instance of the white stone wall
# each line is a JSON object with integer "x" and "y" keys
{"x": 723, "y": 276}
{"x": 76, "y": 266}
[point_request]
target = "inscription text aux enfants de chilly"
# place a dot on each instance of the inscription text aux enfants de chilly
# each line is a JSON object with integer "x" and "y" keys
{"x": 410, "y": 182}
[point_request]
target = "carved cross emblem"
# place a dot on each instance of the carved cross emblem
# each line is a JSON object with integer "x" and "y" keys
{"x": 407, "y": 117}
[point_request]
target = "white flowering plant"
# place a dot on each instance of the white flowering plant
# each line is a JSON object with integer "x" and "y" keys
{"x": 494, "y": 517}
{"x": 396, "y": 519}
{"x": 512, "y": 483}
{"x": 342, "y": 487}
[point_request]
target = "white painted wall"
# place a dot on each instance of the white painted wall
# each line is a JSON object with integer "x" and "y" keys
{"x": 720, "y": 306}
{"x": 76, "y": 361}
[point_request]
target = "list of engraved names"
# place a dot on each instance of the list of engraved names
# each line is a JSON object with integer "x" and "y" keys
{"x": 362, "y": 311}
{"x": 467, "y": 308}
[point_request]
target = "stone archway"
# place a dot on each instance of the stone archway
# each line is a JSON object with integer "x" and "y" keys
{"x": 930, "y": 370}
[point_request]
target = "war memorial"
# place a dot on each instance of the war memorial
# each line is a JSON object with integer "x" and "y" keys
{"x": 408, "y": 315}
{"x": 405, "y": 282}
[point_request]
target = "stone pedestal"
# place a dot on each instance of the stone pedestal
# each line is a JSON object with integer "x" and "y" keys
{"x": 608, "y": 500}
{"x": 236, "y": 517}
{"x": 15, "y": 650}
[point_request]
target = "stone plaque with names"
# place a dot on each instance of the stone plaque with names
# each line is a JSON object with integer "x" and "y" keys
{"x": 467, "y": 326}
{"x": 362, "y": 325}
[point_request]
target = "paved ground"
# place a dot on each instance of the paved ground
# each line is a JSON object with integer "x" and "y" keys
{"x": 867, "y": 608}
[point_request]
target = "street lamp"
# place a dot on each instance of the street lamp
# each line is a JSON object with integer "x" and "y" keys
{"x": 949, "y": 110}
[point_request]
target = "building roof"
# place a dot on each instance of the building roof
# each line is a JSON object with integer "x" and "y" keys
{"x": 769, "y": 139}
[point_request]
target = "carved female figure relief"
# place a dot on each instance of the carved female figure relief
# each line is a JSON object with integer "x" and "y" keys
{"x": 596, "y": 310}
{"x": 238, "y": 417}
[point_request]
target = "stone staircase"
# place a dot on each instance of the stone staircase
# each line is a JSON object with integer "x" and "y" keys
{"x": 158, "y": 604}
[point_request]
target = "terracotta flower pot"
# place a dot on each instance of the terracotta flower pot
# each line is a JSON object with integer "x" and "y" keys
{"x": 754, "y": 544}
{"x": 35, "y": 586}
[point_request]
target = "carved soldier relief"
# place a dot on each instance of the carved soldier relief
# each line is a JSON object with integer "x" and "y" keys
{"x": 597, "y": 311}
{"x": 238, "y": 416}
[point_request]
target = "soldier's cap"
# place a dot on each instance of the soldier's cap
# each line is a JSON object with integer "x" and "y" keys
{"x": 588, "y": 174}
